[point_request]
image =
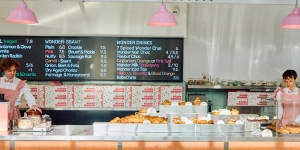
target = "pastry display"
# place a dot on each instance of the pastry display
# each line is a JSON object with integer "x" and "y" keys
{"x": 166, "y": 102}
{"x": 25, "y": 123}
{"x": 288, "y": 129}
{"x": 138, "y": 118}
{"x": 259, "y": 118}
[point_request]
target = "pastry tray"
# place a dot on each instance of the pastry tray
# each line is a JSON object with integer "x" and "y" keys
{"x": 47, "y": 129}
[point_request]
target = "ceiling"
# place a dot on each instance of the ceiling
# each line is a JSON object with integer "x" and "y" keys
{"x": 276, "y": 2}
{"x": 292, "y": 2}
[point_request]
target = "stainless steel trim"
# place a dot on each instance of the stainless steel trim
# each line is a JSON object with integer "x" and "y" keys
{"x": 11, "y": 145}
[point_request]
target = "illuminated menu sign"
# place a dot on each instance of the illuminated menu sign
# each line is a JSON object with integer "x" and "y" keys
{"x": 95, "y": 58}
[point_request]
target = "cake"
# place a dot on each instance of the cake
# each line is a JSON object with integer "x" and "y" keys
{"x": 25, "y": 123}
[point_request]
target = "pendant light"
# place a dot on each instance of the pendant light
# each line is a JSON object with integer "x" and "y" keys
{"x": 292, "y": 21}
{"x": 162, "y": 17}
{"x": 22, "y": 14}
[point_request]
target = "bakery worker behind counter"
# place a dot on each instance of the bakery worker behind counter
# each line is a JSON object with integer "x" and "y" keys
{"x": 288, "y": 99}
{"x": 14, "y": 88}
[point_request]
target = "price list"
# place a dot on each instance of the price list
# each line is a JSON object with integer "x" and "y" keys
{"x": 19, "y": 49}
{"x": 95, "y": 58}
{"x": 148, "y": 60}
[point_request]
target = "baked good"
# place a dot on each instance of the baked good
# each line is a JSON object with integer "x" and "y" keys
{"x": 25, "y": 123}
{"x": 143, "y": 110}
{"x": 182, "y": 103}
{"x": 215, "y": 112}
{"x": 283, "y": 131}
{"x": 235, "y": 112}
{"x": 194, "y": 120}
{"x": 116, "y": 120}
{"x": 166, "y": 102}
{"x": 210, "y": 122}
{"x": 231, "y": 122}
{"x": 197, "y": 102}
{"x": 202, "y": 122}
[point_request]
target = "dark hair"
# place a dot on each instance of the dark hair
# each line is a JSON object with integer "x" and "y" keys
{"x": 289, "y": 74}
{"x": 6, "y": 63}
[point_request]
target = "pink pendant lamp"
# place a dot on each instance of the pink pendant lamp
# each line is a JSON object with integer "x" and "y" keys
{"x": 22, "y": 15}
{"x": 162, "y": 17}
{"x": 292, "y": 21}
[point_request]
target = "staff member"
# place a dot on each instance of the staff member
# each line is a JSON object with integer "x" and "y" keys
{"x": 288, "y": 99}
{"x": 13, "y": 88}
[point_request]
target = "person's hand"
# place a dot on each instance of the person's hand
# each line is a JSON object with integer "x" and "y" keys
{"x": 35, "y": 108}
{"x": 276, "y": 121}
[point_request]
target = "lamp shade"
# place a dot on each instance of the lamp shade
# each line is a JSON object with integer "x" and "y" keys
{"x": 292, "y": 21}
{"x": 22, "y": 14}
{"x": 162, "y": 17}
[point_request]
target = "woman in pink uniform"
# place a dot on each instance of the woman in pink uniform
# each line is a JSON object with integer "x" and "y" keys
{"x": 14, "y": 88}
{"x": 288, "y": 99}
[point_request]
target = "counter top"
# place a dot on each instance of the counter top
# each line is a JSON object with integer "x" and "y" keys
{"x": 85, "y": 132}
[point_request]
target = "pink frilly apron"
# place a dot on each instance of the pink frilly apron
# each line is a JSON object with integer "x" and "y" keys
{"x": 12, "y": 96}
{"x": 290, "y": 106}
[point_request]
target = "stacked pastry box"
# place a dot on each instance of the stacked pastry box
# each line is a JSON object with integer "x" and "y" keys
{"x": 242, "y": 98}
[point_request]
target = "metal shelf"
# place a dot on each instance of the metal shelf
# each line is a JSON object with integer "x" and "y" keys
{"x": 251, "y": 88}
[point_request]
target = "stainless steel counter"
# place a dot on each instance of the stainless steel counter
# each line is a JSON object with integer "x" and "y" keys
{"x": 85, "y": 132}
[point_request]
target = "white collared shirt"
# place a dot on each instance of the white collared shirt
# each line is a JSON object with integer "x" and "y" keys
{"x": 24, "y": 91}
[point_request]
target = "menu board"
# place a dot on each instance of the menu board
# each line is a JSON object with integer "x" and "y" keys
{"x": 95, "y": 58}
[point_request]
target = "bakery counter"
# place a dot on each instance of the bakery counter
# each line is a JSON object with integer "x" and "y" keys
{"x": 82, "y": 137}
{"x": 85, "y": 132}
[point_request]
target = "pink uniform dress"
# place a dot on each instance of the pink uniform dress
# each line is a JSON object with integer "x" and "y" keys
{"x": 11, "y": 96}
{"x": 290, "y": 107}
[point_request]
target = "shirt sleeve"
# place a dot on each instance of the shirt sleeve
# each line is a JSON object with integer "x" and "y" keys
{"x": 28, "y": 96}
